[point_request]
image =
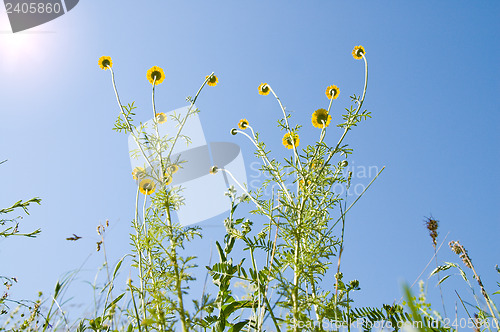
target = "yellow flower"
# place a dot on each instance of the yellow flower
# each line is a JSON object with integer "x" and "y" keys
{"x": 287, "y": 140}
{"x": 212, "y": 80}
{"x": 264, "y": 89}
{"x": 358, "y": 52}
{"x": 301, "y": 184}
{"x": 321, "y": 118}
{"x": 156, "y": 72}
{"x": 332, "y": 92}
{"x": 161, "y": 118}
{"x": 173, "y": 169}
{"x": 243, "y": 124}
{"x": 214, "y": 170}
{"x": 167, "y": 178}
{"x": 147, "y": 186}
{"x": 105, "y": 62}
{"x": 138, "y": 173}
{"x": 315, "y": 164}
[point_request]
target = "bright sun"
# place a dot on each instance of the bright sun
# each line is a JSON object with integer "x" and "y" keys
{"x": 16, "y": 48}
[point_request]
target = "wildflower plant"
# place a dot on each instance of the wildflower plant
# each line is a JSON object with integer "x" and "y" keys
{"x": 303, "y": 231}
{"x": 158, "y": 296}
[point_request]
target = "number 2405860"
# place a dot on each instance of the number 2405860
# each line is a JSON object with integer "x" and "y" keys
{"x": 33, "y": 8}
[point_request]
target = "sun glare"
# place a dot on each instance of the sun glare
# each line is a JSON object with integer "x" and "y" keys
{"x": 15, "y": 48}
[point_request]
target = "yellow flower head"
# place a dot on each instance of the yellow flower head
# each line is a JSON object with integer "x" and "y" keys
{"x": 105, "y": 62}
{"x": 243, "y": 124}
{"x": 167, "y": 178}
{"x": 287, "y": 140}
{"x": 138, "y": 173}
{"x": 155, "y": 72}
{"x": 358, "y": 52}
{"x": 332, "y": 92}
{"x": 173, "y": 169}
{"x": 264, "y": 89}
{"x": 212, "y": 80}
{"x": 214, "y": 170}
{"x": 301, "y": 184}
{"x": 321, "y": 118}
{"x": 147, "y": 186}
{"x": 161, "y": 118}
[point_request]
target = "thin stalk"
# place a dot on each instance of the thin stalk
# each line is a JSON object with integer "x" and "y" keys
{"x": 273, "y": 171}
{"x": 135, "y": 309}
{"x": 139, "y": 252}
{"x": 62, "y": 312}
{"x": 187, "y": 115}
{"x": 270, "y": 266}
{"x": 352, "y": 204}
{"x": 127, "y": 122}
{"x": 205, "y": 283}
{"x": 162, "y": 172}
{"x": 107, "y": 266}
{"x": 254, "y": 264}
{"x": 296, "y": 155}
{"x": 272, "y": 315}
{"x": 348, "y": 126}
{"x": 318, "y": 318}
{"x": 178, "y": 285}
{"x": 439, "y": 284}
{"x": 244, "y": 190}
{"x": 342, "y": 215}
{"x": 155, "y": 122}
{"x": 295, "y": 292}
{"x": 425, "y": 268}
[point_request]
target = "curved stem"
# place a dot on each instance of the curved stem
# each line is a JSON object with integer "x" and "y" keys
{"x": 348, "y": 126}
{"x": 139, "y": 253}
{"x": 178, "y": 281}
{"x": 272, "y": 170}
{"x": 296, "y": 155}
{"x": 129, "y": 126}
{"x": 187, "y": 115}
{"x": 158, "y": 139}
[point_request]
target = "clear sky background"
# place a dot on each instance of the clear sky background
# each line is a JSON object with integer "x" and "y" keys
{"x": 433, "y": 91}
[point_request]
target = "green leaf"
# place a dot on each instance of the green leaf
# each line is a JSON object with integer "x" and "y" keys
{"x": 444, "y": 267}
{"x": 238, "y": 326}
{"x": 443, "y": 279}
{"x": 118, "y": 265}
{"x": 118, "y": 298}
{"x": 221, "y": 252}
{"x": 235, "y": 305}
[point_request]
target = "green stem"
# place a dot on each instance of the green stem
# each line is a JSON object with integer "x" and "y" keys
{"x": 135, "y": 309}
{"x": 296, "y": 155}
{"x": 295, "y": 293}
{"x": 348, "y": 126}
{"x": 272, "y": 171}
{"x": 127, "y": 122}
{"x": 158, "y": 141}
{"x": 187, "y": 115}
{"x": 178, "y": 281}
{"x": 139, "y": 253}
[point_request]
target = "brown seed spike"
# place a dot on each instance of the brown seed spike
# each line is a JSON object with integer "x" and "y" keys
{"x": 432, "y": 225}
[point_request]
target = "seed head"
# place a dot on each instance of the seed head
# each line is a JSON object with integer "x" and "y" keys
{"x": 461, "y": 252}
{"x": 432, "y": 225}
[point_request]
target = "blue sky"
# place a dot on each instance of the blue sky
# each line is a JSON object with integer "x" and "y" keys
{"x": 433, "y": 92}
